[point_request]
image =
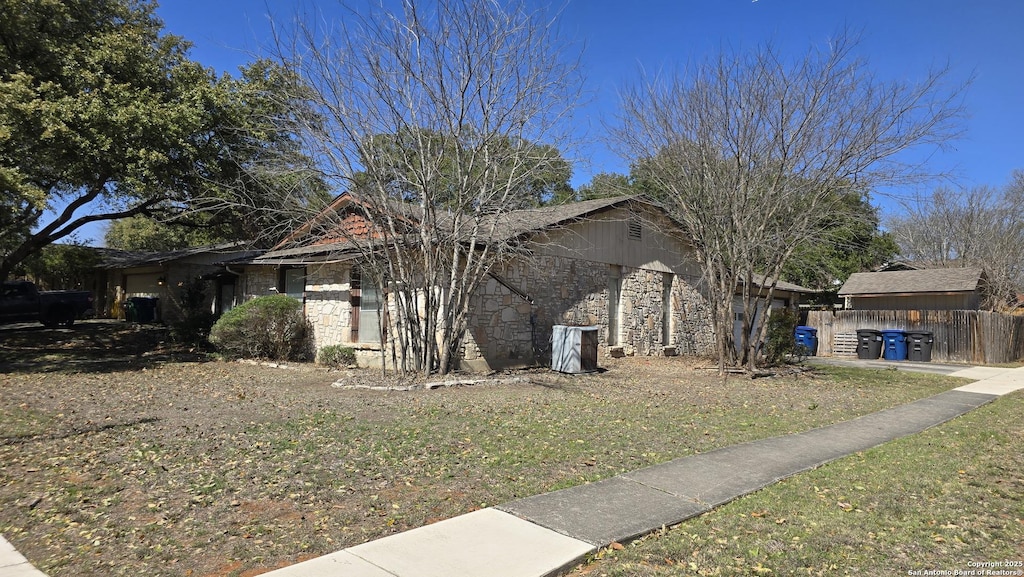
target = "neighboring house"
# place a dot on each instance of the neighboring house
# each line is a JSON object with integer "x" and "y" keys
{"x": 786, "y": 295}
{"x": 620, "y": 264}
{"x": 928, "y": 289}
{"x": 158, "y": 274}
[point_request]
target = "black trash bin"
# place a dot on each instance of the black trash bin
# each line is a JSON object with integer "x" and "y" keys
{"x": 143, "y": 309}
{"x": 869, "y": 344}
{"x": 919, "y": 346}
{"x": 807, "y": 337}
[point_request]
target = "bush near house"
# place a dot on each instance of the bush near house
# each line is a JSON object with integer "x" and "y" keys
{"x": 269, "y": 327}
{"x": 336, "y": 356}
{"x": 780, "y": 342}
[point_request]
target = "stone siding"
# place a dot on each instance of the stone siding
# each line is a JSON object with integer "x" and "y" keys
{"x": 506, "y": 330}
{"x": 256, "y": 281}
{"x": 328, "y": 307}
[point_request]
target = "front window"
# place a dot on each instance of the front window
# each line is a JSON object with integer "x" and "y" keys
{"x": 369, "y": 315}
{"x": 364, "y": 298}
{"x": 293, "y": 282}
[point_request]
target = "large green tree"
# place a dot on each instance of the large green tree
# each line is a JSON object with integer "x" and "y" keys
{"x": 141, "y": 232}
{"x": 99, "y": 115}
{"x": 102, "y": 116}
{"x": 850, "y": 241}
{"x": 605, "y": 185}
{"x": 408, "y": 154}
{"x": 257, "y": 183}
{"x": 62, "y": 266}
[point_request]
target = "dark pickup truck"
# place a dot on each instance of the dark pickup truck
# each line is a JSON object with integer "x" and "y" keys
{"x": 22, "y": 303}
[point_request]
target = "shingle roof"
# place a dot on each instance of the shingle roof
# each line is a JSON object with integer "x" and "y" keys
{"x": 506, "y": 226}
{"x": 518, "y": 222}
{"x": 129, "y": 259}
{"x": 763, "y": 282}
{"x": 936, "y": 280}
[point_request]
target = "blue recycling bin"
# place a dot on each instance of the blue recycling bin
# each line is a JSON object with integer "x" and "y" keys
{"x": 807, "y": 337}
{"x": 894, "y": 342}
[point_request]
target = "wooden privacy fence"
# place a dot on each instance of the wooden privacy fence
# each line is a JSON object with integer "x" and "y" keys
{"x": 976, "y": 337}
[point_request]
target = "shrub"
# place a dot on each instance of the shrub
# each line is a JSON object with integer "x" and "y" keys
{"x": 336, "y": 356}
{"x": 193, "y": 319}
{"x": 780, "y": 341}
{"x": 269, "y": 327}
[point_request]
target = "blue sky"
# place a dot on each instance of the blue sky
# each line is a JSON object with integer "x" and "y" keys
{"x": 901, "y": 39}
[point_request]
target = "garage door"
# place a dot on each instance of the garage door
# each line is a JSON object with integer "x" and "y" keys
{"x": 142, "y": 285}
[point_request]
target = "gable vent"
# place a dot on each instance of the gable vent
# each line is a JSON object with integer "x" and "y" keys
{"x": 633, "y": 229}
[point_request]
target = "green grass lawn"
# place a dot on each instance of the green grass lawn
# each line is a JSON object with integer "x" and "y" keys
{"x": 152, "y": 466}
{"x": 947, "y": 499}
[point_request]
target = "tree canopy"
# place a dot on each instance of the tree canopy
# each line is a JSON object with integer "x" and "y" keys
{"x": 422, "y": 165}
{"x": 851, "y": 242}
{"x": 145, "y": 233}
{"x": 103, "y": 117}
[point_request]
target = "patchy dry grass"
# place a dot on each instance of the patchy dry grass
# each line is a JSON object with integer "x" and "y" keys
{"x": 944, "y": 500}
{"x": 145, "y": 462}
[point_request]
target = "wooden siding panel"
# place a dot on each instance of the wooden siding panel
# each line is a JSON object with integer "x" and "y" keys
{"x": 603, "y": 239}
{"x": 943, "y": 302}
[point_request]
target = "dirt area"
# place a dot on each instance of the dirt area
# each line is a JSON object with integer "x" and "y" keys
{"x": 125, "y": 455}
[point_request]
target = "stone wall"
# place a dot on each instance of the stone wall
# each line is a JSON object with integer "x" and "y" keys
{"x": 256, "y": 281}
{"x": 507, "y": 330}
{"x": 328, "y": 307}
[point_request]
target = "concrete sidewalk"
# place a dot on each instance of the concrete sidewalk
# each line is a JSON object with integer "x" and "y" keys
{"x": 14, "y": 564}
{"x": 549, "y": 533}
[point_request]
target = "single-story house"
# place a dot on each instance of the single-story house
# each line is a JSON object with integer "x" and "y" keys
{"x": 926, "y": 289}
{"x": 159, "y": 274}
{"x": 600, "y": 262}
{"x": 620, "y": 264}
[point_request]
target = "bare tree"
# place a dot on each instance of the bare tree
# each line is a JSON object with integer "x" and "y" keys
{"x": 975, "y": 227}
{"x": 753, "y": 154}
{"x": 430, "y": 118}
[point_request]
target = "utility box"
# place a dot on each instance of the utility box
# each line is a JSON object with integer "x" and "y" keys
{"x": 573, "y": 349}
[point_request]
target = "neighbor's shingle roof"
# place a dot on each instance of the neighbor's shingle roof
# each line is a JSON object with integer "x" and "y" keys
{"x": 762, "y": 281}
{"x": 113, "y": 259}
{"x": 936, "y": 280}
